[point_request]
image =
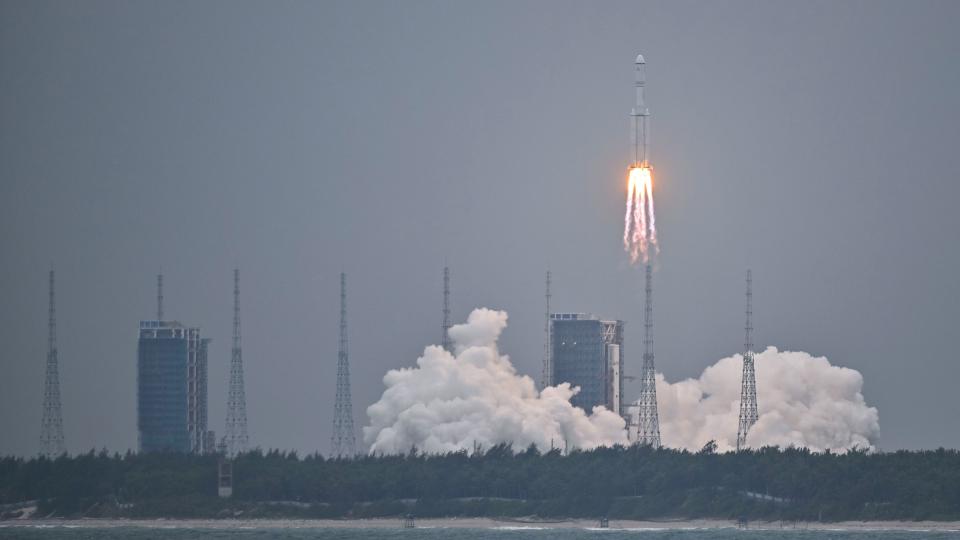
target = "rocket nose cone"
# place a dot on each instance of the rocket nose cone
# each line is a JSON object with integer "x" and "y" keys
{"x": 640, "y": 59}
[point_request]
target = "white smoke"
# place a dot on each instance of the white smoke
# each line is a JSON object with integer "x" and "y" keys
{"x": 450, "y": 402}
{"x": 803, "y": 401}
{"x": 473, "y": 397}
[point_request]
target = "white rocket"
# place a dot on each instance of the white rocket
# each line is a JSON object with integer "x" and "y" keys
{"x": 640, "y": 117}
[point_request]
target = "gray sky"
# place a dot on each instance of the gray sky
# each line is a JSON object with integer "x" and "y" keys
{"x": 814, "y": 142}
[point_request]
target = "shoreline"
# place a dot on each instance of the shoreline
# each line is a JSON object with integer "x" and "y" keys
{"x": 473, "y": 523}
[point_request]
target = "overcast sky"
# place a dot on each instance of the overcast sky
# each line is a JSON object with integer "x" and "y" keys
{"x": 814, "y": 142}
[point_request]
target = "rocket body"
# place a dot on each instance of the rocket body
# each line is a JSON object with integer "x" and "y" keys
{"x": 640, "y": 230}
{"x": 640, "y": 117}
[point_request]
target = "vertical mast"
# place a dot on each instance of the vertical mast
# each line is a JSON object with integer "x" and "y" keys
{"x": 648, "y": 421}
{"x": 237, "y": 438}
{"x": 343, "y": 442}
{"x": 160, "y": 296}
{"x": 445, "y": 325}
{"x": 748, "y": 383}
{"x": 546, "y": 378}
{"x": 51, "y": 425}
{"x": 748, "y": 328}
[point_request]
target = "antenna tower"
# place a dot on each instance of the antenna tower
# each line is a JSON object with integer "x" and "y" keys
{"x": 445, "y": 341}
{"x": 547, "y": 376}
{"x": 160, "y": 296}
{"x": 237, "y": 439}
{"x": 342, "y": 442}
{"x": 51, "y": 426}
{"x": 748, "y": 384}
{"x": 648, "y": 419}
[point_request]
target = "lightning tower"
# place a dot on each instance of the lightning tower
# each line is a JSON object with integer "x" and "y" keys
{"x": 648, "y": 418}
{"x": 343, "y": 442}
{"x": 51, "y": 426}
{"x": 748, "y": 383}
{"x": 547, "y": 377}
{"x": 445, "y": 325}
{"x": 236, "y": 436}
{"x": 160, "y": 296}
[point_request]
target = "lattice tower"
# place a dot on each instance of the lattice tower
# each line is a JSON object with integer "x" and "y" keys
{"x": 546, "y": 378}
{"x": 51, "y": 426}
{"x": 445, "y": 325}
{"x": 648, "y": 419}
{"x": 160, "y": 297}
{"x": 343, "y": 441}
{"x": 748, "y": 382}
{"x": 236, "y": 438}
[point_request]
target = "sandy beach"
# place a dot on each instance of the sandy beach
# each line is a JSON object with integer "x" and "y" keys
{"x": 480, "y": 523}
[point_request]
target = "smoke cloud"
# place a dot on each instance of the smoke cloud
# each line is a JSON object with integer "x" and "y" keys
{"x": 450, "y": 402}
{"x": 803, "y": 400}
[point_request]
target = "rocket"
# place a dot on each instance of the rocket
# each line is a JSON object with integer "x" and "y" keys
{"x": 640, "y": 117}
{"x": 640, "y": 231}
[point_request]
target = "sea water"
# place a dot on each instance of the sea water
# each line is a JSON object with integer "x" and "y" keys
{"x": 175, "y": 532}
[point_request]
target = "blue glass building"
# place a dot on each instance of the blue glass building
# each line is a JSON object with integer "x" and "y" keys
{"x": 171, "y": 388}
{"x": 586, "y": 351}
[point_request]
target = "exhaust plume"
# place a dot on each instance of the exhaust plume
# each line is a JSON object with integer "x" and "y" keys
{"x": 804, "y": 402}
{"x": 474, "y": 396}
{"x": 639, "y": 227}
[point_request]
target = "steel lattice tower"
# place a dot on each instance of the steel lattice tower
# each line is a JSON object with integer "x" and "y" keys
{"x": 546, "y": 377}
{"x": 343, "y": 442}
{"x": 648, "y": 419}
{"x": 748, "y": 383}
{"x": 51, "y": 426}
{"x": 236, "y": 436}
{"x": 445, "y": 325}
{"x": 160, "y": 296}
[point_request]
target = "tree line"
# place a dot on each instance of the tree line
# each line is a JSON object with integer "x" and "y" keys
{"x": 634, "y": 482}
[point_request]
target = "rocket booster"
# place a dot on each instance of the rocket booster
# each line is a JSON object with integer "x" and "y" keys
{"x": 640, "y": 117}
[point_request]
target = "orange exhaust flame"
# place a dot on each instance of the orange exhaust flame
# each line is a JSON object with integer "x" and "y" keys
{"x": 639, "y": 229}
